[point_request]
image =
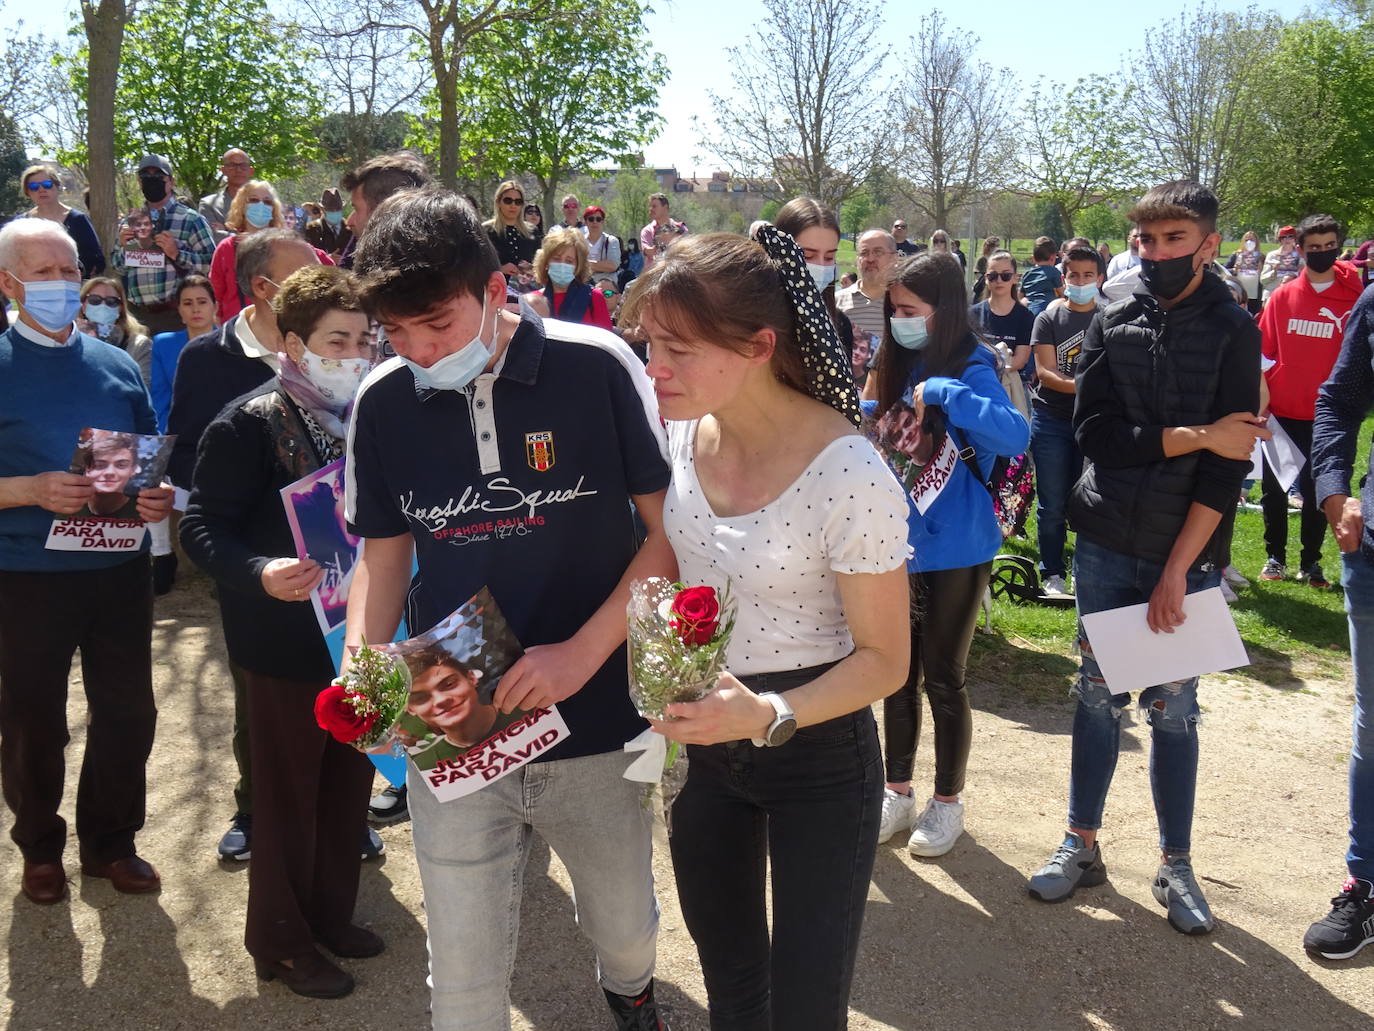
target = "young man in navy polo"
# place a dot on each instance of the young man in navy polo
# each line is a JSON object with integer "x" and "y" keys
{"x": 505, "y": 452}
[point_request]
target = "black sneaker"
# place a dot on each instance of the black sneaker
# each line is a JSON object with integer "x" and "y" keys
{"x": 164, "y": 573}
{"x": 373, "y": 846}
{"x": 388, "y": 807}
{"x": 1314, "y": 577}
{"x": 636, "y": 1012}
{"x": 1349, "y": 926}
{"x": 238, "y": 840}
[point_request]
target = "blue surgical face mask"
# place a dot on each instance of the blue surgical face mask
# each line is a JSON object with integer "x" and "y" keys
{"x": 259, "y": 215}
{"x": 822, "y": 275}
{"x": 457, "y": 370}
{"x": 52, "y": 303}
{"x": 334, "y": 218}
{"x": 1081, "y": 294}
{"x": 910, "y": 333}
{"x": 101, "y": 314}
{"x": 560, "y": 273}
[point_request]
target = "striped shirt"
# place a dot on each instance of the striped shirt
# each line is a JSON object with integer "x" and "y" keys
{"x": 863, "y": 311}
{"x": 146, "y": 286}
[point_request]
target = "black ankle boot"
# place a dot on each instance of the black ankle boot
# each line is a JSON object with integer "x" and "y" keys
{"x": 164, "y": 573}
{"x": 636, "y": 1012}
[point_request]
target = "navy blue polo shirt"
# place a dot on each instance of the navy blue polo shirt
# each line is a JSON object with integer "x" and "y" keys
{"x": 520, "y": 483}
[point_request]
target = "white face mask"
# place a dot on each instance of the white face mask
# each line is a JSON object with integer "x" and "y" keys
{"x": 822, "y": 275}
{"x": 1250, "y": 245}
{"x": 337, "y": 379}
{"x": 457, "y": 370}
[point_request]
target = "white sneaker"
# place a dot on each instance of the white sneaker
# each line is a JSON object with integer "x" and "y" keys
{"x": 1229, "y": 593}
{"x": 1055, "y": 585}
{"x": 898, "y": 811}
{"x": 1232, "y": 576}
{"x": 937, "y": 829}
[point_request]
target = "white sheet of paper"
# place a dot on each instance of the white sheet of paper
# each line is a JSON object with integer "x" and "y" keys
{"x": 1282, "y": 455}
{"x": 1257, "y": 461}
{"x": 1132, "y": 657}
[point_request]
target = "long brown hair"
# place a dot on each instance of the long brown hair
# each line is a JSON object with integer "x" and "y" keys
{"x": 721, "y": 289}
{"x": 803, "y": 213}
{"x": 938, "y": 279}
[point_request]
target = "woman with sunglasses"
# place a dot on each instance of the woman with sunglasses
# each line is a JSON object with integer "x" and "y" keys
{"x": 534, "y": 215}
{"x": 105, "y": 315}
{"x": 43, "y": 187}
{"x": 1002, "y": 319}
{"x": 508, "y": 231}
{"x": 603, "y": 248}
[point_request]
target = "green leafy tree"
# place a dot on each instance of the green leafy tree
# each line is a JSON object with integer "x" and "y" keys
{"x": 12, "y": 162}
{"x": 554, "y": 98}
{"x": 1078, "y": 145}
{"x": 856, "y": 214}
{"x": 1049, "y": 219}
{"x": 1102, "y": 222}
{"x": 770, "y": 210}
{"x": 628, "y": 209}
{"x": 199, "y": 77}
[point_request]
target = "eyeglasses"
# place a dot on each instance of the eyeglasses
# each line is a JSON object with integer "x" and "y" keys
{"x": 876, "y": 254}
{"x": 113, "y": 302}
{"x": 596, "y": 218}
{"x": 512, "y": 200}
{"x": 40, "y": 184}
{"x": 1005, "y": 277}
{"x": 237, "y": 164}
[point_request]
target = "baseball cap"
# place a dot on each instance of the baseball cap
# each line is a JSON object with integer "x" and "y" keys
{"x": 155, "y": 161}
{"x": 1287, "y": 231}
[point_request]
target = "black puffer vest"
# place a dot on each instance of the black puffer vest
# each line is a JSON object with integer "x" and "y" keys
{"x": 1165, "y": 369}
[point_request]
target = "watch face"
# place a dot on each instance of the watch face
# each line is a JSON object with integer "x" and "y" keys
{"x": 782, "y": 732}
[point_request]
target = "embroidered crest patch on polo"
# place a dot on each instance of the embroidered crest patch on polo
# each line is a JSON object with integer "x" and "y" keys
{"x": 539, "y": 450}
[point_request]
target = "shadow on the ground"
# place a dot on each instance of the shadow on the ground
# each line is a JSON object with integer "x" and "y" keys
{"x": 955, "y": 949}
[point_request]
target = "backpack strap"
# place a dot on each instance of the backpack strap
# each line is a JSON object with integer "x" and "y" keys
{"x": 969, "y": 457}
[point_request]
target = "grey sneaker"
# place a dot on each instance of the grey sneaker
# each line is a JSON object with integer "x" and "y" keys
{"x": 1176, "y": 889}
{"x": 1072, "y": 865}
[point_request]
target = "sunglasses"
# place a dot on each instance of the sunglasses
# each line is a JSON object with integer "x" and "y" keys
{"x": 899, "y": 225}
{"x": 569, "y": 207}
{"x": 608, "y": 294}
{"x": 596, "y": 218}
{"x": 113, "y": 302}
{"x": 40, "y": 184}
{"x": 512, "y": 200}
{"x": 1005, "y": 277}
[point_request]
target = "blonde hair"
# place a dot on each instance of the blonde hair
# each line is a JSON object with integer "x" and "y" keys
{"x": 126, "y": 322}
{"x": 237, "y": 220}
{"x": 554, "y": 241}
{"x": 498, "y": 218}
{"x": 46, "y": 171}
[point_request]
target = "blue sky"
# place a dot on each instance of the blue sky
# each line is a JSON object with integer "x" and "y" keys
{"x": 1030, "y": 39}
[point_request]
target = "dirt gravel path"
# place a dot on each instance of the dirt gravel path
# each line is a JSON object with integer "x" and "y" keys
{"x": 951, "y": 943}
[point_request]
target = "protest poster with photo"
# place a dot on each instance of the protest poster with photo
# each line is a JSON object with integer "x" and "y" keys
{"x": 452, "y": 732}
{"x": 119, "y": 465}
{"x": 315, "y": 510}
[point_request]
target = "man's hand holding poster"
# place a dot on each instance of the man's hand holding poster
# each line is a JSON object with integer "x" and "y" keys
{"x": 119, "y": 466}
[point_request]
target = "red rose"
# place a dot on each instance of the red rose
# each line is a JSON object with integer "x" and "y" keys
{"x": 698, "y": 615}
{"x": 335, "y": 713}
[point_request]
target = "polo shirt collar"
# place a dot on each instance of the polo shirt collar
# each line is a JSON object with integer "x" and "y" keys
{"x": 26, "y": 331}
{"x": 523, "y": 355}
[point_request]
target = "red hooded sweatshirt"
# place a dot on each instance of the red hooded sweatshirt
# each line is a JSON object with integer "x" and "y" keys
{"x": 1302, "y": 331}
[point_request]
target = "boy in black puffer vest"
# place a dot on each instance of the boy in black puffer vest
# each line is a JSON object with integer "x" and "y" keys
{"x": 1168, "y": 391}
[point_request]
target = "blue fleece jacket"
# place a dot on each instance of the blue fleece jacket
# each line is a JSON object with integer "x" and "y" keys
{"x": 48, "y": 395}
{"x": 960, "y": 530}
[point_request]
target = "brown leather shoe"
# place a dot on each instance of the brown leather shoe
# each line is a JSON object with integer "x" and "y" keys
{"x": 44, "y": 883}
{"x": 131, "y": 875}
{"x": 354, "y": 942}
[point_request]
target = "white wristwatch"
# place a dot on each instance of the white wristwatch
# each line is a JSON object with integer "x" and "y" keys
{"x": 783, "y": 727}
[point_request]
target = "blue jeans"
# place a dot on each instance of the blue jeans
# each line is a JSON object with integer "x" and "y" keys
{"x": 1357, "y": 577}
{"x": 1058, "y": 464}
{"x": 472, "y": 854}
{"x": 1106, "y": 579}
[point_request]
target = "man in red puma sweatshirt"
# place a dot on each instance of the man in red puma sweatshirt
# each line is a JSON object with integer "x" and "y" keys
{"x": 1302, "y": 325}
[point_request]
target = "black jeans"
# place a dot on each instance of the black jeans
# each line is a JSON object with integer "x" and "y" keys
{"x": 811, "y": 808}
{"x": 1274, "y": 502}
{"x": 944, "y": 612}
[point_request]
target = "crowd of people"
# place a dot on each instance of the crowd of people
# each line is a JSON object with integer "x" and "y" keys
{"x": 716, "y": 409}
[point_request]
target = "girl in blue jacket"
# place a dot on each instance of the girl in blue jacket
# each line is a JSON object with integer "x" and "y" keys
{"x": 936, "y": 393}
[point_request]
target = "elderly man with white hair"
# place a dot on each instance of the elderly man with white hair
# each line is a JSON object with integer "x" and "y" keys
{"x": 56, "y": 381}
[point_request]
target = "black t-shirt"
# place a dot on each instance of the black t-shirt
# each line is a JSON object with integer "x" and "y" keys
{"x": 1062, "y": 328}
{"x": 1012, "y": 329}
{"x": 908, "y": 247}
{"x": 520, "y": 483}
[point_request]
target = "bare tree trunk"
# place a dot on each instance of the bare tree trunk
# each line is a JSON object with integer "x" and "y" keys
{"x": 105, "y": 21}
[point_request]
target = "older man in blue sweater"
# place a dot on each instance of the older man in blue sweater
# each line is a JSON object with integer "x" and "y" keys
{"x": 55, "y": 381}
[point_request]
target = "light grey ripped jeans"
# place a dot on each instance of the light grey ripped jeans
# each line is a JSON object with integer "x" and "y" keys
{"x": 472, "y": 854}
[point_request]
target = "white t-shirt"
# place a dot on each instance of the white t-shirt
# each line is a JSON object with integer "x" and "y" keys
{"x": 844, "y": 514}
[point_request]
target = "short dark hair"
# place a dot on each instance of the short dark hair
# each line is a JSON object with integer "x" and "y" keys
{"x": 662, "y": 198}
{"x": 193, "y": 281}
{"x": 1319, "y": 225}
{"x": 384, "y": 175}
{"x": 421, "y": 249}
{"x": 253, "y": 253}
{"x": 1079, "y": 253}
{"x": 1045, "y": 249}
{"x": 1179, "y": 199}
{"x": 310, "y": 293}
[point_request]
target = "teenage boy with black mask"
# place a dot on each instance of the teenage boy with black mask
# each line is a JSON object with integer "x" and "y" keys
{"x": 440, "y": 439}
{"x": 1166, "y": 418}
{"x": 1302, "y": 325}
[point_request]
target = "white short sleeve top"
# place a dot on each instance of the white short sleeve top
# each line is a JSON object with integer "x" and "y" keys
{"x": 845, "y": 514}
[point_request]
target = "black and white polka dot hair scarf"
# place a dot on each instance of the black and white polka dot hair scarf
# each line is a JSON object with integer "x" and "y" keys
{"x": 828, "y": 370}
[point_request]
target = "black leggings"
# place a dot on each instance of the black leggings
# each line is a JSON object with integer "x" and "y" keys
{"x": 1274, "y": 502}
{"x": 944, "y": 612}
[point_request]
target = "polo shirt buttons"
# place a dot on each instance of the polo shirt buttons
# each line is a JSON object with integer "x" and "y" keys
{"x": 486, "y": 435}
{"x": 481, "y": 403}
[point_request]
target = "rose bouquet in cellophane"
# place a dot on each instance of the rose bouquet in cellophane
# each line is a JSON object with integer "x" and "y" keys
{"x": 677, "y": 641}
{"x": 361, "y": 707}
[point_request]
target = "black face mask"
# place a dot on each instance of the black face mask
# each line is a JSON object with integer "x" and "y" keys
{"x": 1321, "y": 261}
{"x": 1168, "y": 278}
{"x": 154, "y": 188}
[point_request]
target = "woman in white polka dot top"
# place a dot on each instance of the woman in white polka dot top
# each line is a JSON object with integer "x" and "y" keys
{"x": 776, "y": 493}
